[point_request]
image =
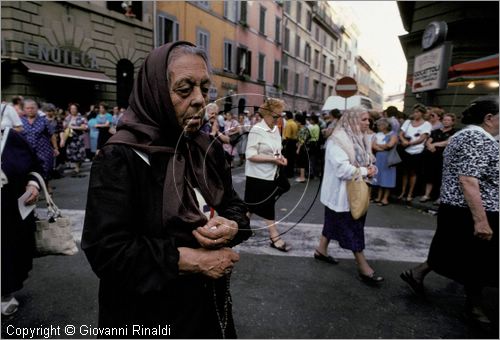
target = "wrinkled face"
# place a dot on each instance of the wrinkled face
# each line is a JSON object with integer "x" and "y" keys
{"x": 30, "y": 109}
{"x": 189, "y": 84}
{"x": 364, "y": 122}
{"x": 448, "y": 121}
{"x": 271, "y": 118}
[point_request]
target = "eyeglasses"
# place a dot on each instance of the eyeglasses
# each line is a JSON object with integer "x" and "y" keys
{"x": 275, "y": 117}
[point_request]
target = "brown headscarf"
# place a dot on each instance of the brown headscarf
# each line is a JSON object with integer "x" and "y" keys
{"x": 149, "y": 125}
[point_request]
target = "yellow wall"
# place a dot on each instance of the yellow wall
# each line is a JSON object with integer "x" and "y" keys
{"x": 191, "y": 17}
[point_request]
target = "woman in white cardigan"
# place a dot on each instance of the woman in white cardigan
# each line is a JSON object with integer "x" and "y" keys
{"x": 347, "y": 150}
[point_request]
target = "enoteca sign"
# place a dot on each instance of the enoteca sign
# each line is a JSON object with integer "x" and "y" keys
{"x": 430, "y": 71}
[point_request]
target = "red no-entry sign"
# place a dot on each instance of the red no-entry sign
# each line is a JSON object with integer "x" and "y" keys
{"x": 346, "y": 87}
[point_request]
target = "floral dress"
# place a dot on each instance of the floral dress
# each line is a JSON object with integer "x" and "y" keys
{"x": 75, "y": 146}
{"x": 38, "y": 134}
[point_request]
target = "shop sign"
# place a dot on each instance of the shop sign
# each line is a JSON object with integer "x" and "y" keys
{"x": 430, "y": 71}
{"x": 60, "y": 55}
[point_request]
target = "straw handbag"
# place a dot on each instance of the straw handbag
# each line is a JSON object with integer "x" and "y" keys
{"x": 53, "y": 234}
{"x": 358, "y": 195}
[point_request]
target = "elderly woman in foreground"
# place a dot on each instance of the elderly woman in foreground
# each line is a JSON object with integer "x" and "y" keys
{"x": 162, "y": 214}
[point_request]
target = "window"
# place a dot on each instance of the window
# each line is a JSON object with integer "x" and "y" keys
{"x": 339, "y": 66}
{"x": 296, "y": 83}
{"x": 332, "y": 68}
{"x": 323, "y": 64}
{"x": 202, "y": 39}
{"x": 325, "y": 38}
{"x": 135, "y": 10}
{"x": 243, "y": 12}
{"x": 244, "y": 62}
{"x": 228, "y": 56}
{"x": 230, "y": 10}
{"x": 204, "y": 4}
{"x": 262, "y": 20}
{"x": 316, "y": 59}
{"x": 308, "y": 21}
{"x": 307, "y": 53}
{"x": 286, "y": 45}
{"x": 297, "y": 46}
{"x": 299, "y": 12}
{"x": 277, "y": 67}
{"x": 306, "y": 86}
{"x": 332, "y": 41}
{"x": 316, "y": 34}
{"x": 330, "y": 91}
{"x": 277, "y": 30}
{"x": 285, "y": 79}
{"x": 287, "y": 6}
{"x": 315, "y": 89}
{"x": 262, "y": 60}
{"x": 323, "y": 90}
{"x": 345, "y": 67}
{"x": 168, "y": 29}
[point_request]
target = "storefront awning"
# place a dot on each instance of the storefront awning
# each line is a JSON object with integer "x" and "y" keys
{"x": 56, "y": 71}
{"x": 477, "y": 69}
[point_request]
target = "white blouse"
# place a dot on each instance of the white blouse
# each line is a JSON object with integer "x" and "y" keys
{"x": 262, "y": 141}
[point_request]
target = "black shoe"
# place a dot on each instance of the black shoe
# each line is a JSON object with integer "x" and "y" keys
{"x": 327, "y": 259}
{"x": 417, "y": 287}
{"x": 282, "y": 248}
{"x": 372, "y": 280}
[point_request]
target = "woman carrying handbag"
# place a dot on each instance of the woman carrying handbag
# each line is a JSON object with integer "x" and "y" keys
{"x": 348, "y": 155}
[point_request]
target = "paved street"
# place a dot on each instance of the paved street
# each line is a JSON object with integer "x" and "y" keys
{"x": 282, "y": 295}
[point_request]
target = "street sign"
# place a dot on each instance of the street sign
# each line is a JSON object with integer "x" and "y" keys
{"x": 346, "y": 87}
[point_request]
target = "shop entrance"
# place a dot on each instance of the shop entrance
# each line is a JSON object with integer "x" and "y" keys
{"x": 61, "y": 91}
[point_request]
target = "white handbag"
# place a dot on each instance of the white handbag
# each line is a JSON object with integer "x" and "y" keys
{"x": 53, "y": 235}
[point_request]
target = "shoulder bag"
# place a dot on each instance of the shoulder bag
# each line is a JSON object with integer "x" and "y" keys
{"x": 393, "y": 157}
{"x": 53, "y": 234}
{"x": 358, "y": 195}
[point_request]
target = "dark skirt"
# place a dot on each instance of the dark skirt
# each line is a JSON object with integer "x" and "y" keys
{"x": 412, "y": 162}
{"x": 457, "y": 254}
{"x": 302, "y": 161}
{"x": 341, "y": 227}
{"x": 18, "y": 242}
{"x": 260, "y": 197}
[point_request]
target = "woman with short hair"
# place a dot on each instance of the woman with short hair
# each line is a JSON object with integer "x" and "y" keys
{"x": 263, "y": 158}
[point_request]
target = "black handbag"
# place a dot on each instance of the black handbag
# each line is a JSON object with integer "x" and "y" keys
{"x": 281, "y": 181}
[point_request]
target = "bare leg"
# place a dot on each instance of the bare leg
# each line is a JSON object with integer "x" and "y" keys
{"x": 323, "y": 246}
{"x": 413, "y": 180}
{"x": 379, "y": 194}
{"x": 428, "y": 189}
{"x": 404, "y": 183}
{"x": 363, "y": 266}
{"x": 274, "y": 234}
{"x": 385, "y": 197}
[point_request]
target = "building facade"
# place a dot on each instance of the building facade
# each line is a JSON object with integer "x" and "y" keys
{"x": 71, "y": 51}
{"x": 472, "y": 32}
{"x": 243, "y": 40}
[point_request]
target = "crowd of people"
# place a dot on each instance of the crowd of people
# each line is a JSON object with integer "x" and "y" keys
{"x": 164, "y": 255}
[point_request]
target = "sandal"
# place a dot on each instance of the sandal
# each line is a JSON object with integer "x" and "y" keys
{"x": 409, "y": 199}
{"x": 282, "y": 247}
{"x": 327, "y": 259}
{"x": 424, "y": 199}
{"x": 9, "y": 307}
{"x": 417, "y": 287}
